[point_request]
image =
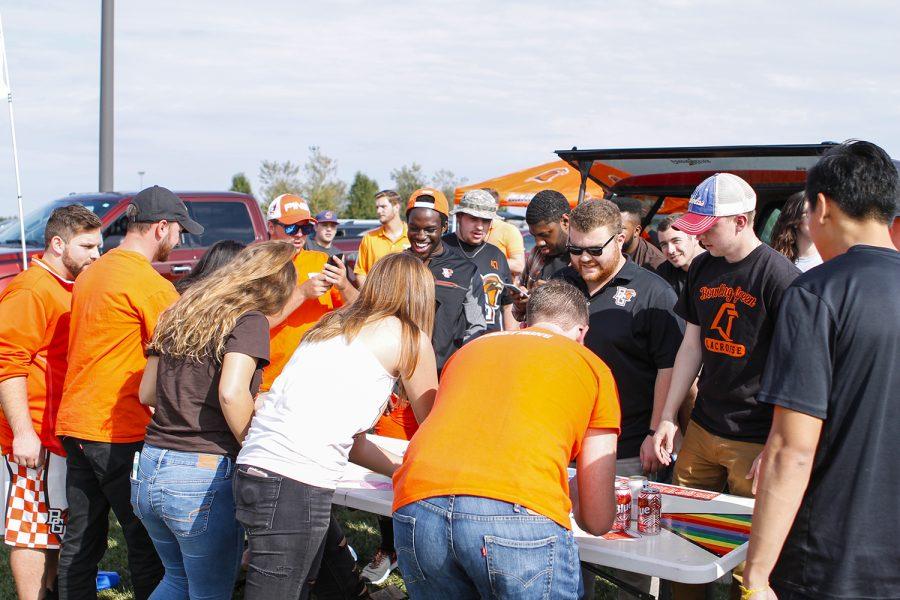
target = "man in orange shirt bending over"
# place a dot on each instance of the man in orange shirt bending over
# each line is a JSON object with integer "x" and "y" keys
{"x": 115, "y": 306}
{"x": 495, "y": 518}
{"x": 322, "y": 285}
{"x": 34, "y": 334}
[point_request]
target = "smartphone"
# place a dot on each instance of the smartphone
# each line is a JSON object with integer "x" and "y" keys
{"x": 521, "y": 291}
{"x": 332, "y": 261}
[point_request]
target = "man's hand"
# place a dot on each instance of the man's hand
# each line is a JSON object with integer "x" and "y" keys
{"x": 315, "y": 286}
{"x": 664, "y": 441}
{"x": 753, "y": 473}
{"x": 336, "y": 275}
{"x": 649, "y": 462}
{"x": 27, "y": 449}
{"x": 520, "y": 301}
{"x": 520, "y": 304}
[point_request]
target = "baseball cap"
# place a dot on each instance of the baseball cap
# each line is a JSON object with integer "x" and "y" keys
{"x": 478, "y": 203}
{"x": 429, "y": 198}
{"x": 721, "y": 195}
{"x": 289, "y": 209}
{"x": 327, "y": 216}
{"x": 156, "y": 204}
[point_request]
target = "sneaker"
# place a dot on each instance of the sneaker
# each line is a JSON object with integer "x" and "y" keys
{"x": 380, "y": 567}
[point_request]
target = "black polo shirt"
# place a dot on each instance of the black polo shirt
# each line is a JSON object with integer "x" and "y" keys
{"x": 634, "y": 330}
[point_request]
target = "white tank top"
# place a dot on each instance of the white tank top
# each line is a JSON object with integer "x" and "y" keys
{"x": 327, "y": 393}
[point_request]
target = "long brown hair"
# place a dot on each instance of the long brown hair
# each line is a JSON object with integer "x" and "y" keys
{"x": 399, "y": 285}
{"x": 261, "y": 277}
{"x": 787, "y": 227}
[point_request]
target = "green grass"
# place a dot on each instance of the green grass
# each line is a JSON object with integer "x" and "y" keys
{"x": 361, "y": 529}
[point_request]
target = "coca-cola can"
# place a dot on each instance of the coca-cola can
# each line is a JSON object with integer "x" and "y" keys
{"x": 623, "y": 507}
{"x": 649, "y": 511}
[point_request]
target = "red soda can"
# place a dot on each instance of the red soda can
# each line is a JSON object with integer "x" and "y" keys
{"x": 649, "y": 511}
{"x": 623, "y": 507}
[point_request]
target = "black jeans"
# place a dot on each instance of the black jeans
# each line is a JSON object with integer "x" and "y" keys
{"x": 286, "y": 522}
{"x": 97, "y": 480}
{"x": 339, "y": 574}
{"x": 386, "y": 527}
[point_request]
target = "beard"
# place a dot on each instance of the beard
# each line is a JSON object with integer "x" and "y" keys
{"x": 163, "y": 251}
{"x": 598, "y": 271}
{"x": 73, "y": 266}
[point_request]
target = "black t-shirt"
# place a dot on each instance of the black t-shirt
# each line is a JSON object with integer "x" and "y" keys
{"x": 735, "y": 306}
{"x": 634, "y": 330}
{"x": 494, "y": 271}
{"x": 836, "y": 356}
{"x": 188, "y": 414}
{"x": 457, "y": 289}
{"x": 676, "y": 277}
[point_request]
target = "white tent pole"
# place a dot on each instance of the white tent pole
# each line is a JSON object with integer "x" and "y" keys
{"x": 12, "y": 127}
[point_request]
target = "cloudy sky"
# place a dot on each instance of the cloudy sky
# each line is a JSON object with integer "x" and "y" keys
{"x": 206, "y": 89}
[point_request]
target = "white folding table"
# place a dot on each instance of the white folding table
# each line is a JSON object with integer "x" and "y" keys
{"x": 701, "y": 540}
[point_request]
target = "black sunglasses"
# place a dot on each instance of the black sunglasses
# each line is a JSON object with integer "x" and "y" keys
{"x": 293, "y": 228}
{"x": 592, "y": 250}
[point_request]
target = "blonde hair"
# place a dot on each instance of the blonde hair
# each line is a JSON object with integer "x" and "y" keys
{"x": 261, "y": 277}
{"x": 399, "y": 285}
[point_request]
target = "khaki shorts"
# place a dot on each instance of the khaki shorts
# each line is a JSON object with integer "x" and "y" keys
{"x": 35, "y": 507}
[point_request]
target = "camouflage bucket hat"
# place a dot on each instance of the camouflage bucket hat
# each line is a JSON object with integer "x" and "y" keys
{"x": 477, "y": 203}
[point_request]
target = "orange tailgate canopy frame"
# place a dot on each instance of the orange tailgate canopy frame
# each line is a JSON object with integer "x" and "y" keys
{"x": 662, "y": 178}
{"x": 665, "y": 177}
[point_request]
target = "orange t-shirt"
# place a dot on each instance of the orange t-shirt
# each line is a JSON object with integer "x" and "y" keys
{"x": 115, "y": 306}
{"x": 510, "y": 415}
{"x": 399, "y": 423}
{"x": 285, "y": 338}
{"x": 376, "y": 244}
{"x": 507, "y": 237}
{"x": 34, "y": 337}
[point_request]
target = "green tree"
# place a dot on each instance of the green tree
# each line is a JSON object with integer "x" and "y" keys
{"x": 408, "y": 179}
{"x": 321, "y": 187}
{"x": 361, "y": 199}
{"x": 447, "y": 182}
{"x": 278, "y": 178}
{"x": 240, "y": 183}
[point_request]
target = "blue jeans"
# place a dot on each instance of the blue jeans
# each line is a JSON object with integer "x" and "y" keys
{"x": 185, "y": 502}
{"x": 469, "y": 547}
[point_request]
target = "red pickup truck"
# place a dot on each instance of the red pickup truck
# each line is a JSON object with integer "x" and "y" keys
{"x": 225, "y": 215}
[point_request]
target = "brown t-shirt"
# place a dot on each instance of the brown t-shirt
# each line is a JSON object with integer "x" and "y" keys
{"x": 188, "y": 414}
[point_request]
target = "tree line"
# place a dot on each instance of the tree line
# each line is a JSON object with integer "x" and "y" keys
{"x": 316, "y": 180}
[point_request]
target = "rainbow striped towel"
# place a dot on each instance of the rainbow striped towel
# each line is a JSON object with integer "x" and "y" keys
{"x": 718, "y": 534}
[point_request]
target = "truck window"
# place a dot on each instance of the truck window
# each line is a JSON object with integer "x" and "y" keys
{"x": 114, "y": 233}
{"x": 222, "y": 221}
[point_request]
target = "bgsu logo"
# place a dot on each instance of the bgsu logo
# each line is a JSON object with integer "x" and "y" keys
{"x": 447, "y": 273}
{"x": 624, "y": 296}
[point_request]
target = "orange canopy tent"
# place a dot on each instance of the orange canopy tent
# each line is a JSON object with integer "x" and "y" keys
{"x": 517, "y": 189}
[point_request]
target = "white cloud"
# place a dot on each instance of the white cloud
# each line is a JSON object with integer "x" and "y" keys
{"x": 206, "y": 89}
